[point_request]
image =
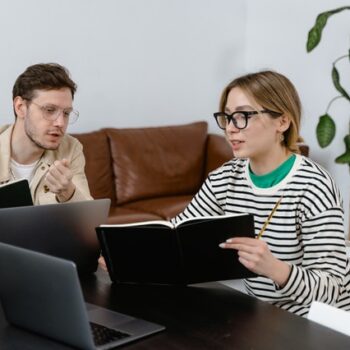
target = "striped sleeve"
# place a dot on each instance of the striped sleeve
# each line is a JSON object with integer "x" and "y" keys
{"x": 320, "y": 276}
{"x": 204, "y": 203}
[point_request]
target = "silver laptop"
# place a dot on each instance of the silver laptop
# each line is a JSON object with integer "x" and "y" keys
{"x": 65, "y": 230}
{"x": 42, "y": 294}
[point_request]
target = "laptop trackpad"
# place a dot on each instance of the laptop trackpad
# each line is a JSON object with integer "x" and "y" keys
{"x": 119, "y": 321}
{"x": 106, "y": 317}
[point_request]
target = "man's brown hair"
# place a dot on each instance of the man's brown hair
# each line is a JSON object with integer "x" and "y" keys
{"x": 43, "y": 76}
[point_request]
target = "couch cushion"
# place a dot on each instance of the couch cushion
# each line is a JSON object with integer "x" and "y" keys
{"x": 98, "y": 166}
{"x": 157, "y": 161}
{"x": 120, "y": 215}
{"x": 165, "y": 207}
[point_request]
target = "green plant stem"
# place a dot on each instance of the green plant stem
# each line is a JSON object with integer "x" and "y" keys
{"x": 325, "y": 129}
{"x": 340, "y": 58}
{"x": 331, "y": 102}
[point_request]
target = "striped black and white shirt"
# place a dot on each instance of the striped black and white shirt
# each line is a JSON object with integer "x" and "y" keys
{"x": 306, "y": 231}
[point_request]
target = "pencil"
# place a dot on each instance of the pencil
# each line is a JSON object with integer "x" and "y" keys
{"x": 269, "y": 218}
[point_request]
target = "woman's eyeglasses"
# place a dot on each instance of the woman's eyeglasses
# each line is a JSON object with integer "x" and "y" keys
{"x": 239, "y": 118}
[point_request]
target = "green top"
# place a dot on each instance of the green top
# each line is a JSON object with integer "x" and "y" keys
{"x": 275, "y": 176}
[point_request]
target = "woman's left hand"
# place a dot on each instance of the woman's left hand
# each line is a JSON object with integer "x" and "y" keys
{"x": 256, "y": 256}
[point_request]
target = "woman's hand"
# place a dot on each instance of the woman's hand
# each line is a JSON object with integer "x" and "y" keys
{"x": 256, "y": 256}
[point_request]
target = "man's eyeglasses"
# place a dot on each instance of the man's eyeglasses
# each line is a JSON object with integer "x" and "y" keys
{"x": 239, "y": 118}
{"x": 52, "y": 112}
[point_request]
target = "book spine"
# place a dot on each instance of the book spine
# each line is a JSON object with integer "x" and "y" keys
{"x": 106, "y": 252}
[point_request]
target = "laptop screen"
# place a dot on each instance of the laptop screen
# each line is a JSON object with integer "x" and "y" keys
{"x": 65, "y": 230}
{"x": 42, "y": 294}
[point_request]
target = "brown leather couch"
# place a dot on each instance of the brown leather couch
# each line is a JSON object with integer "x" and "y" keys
{"x": 151, "y": 173}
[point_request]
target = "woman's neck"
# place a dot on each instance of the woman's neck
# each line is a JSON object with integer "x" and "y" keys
{"x": 268, "y": 162}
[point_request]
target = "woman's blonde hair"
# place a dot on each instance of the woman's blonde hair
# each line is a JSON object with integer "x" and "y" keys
{"x": 274, "y": 92}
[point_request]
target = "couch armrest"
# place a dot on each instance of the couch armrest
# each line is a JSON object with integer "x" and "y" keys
{"x": 304, "y": 149}
{"x": 218, "y": 152}
{"x": 98, "y": 167}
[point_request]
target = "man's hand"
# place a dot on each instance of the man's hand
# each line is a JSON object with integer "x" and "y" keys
{"x": 59, "y": 180}
{"x": 102, "y": 263}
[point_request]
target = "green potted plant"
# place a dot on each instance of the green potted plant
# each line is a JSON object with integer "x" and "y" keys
{"x": 326, "y": 128}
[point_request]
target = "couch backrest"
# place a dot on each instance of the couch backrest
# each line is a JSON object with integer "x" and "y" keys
{"x": 98, "y": 166}
{"x": 218, "y": 152}
{"x": 131, "y": 164}
{"x": 157, "y": 161}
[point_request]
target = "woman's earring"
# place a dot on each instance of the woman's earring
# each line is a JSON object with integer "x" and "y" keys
{"x": 281, "y": 137}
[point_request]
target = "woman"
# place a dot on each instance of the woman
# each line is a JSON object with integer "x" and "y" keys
{"x": 301, "y": 255}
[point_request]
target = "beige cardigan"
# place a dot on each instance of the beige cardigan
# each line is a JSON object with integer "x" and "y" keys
{"x": 70, "y": 148}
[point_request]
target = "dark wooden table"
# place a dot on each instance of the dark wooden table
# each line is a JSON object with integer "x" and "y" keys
{"x": 205, "y": 316}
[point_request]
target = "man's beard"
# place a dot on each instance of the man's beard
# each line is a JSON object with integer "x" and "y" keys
{"x": 37, "y": 143}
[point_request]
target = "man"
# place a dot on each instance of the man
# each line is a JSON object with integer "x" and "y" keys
{"x": 36, "y": 146}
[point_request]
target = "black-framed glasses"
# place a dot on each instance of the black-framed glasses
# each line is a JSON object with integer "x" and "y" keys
{"x": 52, "y": 112}
{"x": 239, "y": 118}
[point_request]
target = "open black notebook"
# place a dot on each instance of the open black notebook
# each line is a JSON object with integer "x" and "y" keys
{"x": 15, "y": 194}
{"x": 156, "y": 252}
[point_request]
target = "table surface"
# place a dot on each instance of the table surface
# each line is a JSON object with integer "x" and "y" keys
{"x": 203, "y": 316}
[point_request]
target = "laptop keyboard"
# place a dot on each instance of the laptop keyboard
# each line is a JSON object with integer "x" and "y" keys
{"x": 103, "y": 335}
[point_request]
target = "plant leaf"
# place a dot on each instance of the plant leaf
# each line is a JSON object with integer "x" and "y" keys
{"x": 345, "y": 157}
{"x": 325, "y": 130}
{"x": 315, "y": 33}
{"x": 336, "y": 82}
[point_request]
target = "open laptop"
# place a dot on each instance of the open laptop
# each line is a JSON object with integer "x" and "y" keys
{"x": 65, "y": 230}
{"x": 42, "y": 294}
{"x": 15, "y": 194}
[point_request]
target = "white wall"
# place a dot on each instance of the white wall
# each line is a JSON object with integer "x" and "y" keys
{"x": 156, "y": 62}
{"x": 276, "y": 38}
{"x": 136, "y": 62}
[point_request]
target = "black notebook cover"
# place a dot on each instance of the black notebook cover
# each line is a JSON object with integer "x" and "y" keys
{"x": 157, "y": 254}
{"x": 15, "y": 194}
